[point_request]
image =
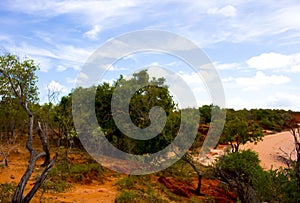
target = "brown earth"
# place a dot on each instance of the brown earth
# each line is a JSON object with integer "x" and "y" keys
{"x": 209, "y": 188}
{"x": 96, "y": 191}
{"x": 269, "y": 152}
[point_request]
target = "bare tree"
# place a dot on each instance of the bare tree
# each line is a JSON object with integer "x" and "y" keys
{"x": 18, "y": 80}
{"x": 188, "y": 158}
{"x": 5, "y": 153}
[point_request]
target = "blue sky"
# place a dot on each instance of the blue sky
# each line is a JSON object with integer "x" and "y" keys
{"x": 254, "y": 45}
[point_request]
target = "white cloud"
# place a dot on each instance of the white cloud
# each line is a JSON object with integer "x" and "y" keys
{"x": 58, "y": 7}
{"x": 4, "y": 38}
{"x": 228, "y": 79}
{"x": 61, "y": 68}
{"x": 268, "y": 61}
{"x": 267, "y": 19}
{"x": 260, "y": 80}
{"x": 283, "y": 100}
{"x": 228, "y": 11}
{"x": 44, "y": 63}
{"x": 117, "y": 68}
{"x": 276, "y": 61}
{"x": 226, "y": 66}
{"x": 192, "y": 78}
{"x": 71, "y": 80}
{"x": 54, "y": 86}
{"x": 72, "y": 53}
{"x": 67, "y": 56}
{"x": 235, "y": 102}
{"x": 93, "y": 33}
{"x": 83, "y": 76}
{"x": 60, "y": 51}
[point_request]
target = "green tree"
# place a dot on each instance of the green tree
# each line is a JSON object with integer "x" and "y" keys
{"x": 239, "y": 131}
{"x": 205, "y": 113}
{"x": 148, "y": 93}
{"x": 18, "y": 80}
{"x": 242, "y": 173}
{"x": 238, "y": 170}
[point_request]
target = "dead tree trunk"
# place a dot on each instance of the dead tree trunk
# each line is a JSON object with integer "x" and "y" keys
{"x": 34, "y": 156}
{"x": 44, "y": 140}
{"x": 6, "y": 154}
{"x": 188, "y": 159}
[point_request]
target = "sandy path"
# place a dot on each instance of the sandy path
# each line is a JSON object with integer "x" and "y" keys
{"x": 94, "y": 193}
{"x": 269, "y": 149}
{"x": 80, "y": 193}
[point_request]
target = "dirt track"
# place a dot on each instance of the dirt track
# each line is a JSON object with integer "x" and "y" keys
{"x": 272, "y": 147}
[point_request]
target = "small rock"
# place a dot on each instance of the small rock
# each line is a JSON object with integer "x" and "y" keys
{"x": 12, "y": 177}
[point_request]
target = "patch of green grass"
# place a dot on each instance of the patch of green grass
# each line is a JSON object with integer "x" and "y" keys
{"x": 146, "y": 188}
{"x": 170, "y": 195}
{"x": 57, "y": 186}
{"x": 137, "y": 196}
{"x": 7, "y": 191}
{"x": 180, "y": 170}
{"x": 62, "y": 175}
{"x": 126, "y": 183}
{"x": 137, "y": 189}
{"x": 136, "y": 182}
{"x": 77, "y": 172}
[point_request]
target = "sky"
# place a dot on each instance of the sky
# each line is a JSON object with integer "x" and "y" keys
{"x": 253, "y": 45}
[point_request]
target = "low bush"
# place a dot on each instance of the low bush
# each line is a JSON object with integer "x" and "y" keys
{"x": 6, "y": 192}
{"x": 137, "y": 196}
{"x": 56, "y": 186}
{"x": 241, "y": 172}
{"x": 77, "y": 172}
{"x": 137, "y": 189}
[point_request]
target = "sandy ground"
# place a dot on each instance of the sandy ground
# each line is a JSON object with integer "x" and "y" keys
{"x": 269, "y": 150}
{"x": 272, "y": 147}
{"x": 95, "y": 193}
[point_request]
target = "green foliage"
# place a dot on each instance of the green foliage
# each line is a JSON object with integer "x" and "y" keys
{"x": 17, "y": 78}
{"x": 179, "y": 171}
{"x": 138, "y": 197}
{"x": 238, "y": 170}
{"x": 205, "y": 113}
{"x": 278, "y": 185}
{"x": 270, "y": 119}
{"x": 137, "y": 189}
{"x": 6, "y": 192}
{"x": 62, "y": 175}
{"x": 244, "y": 162}
{"x": 57, "y": 186}
{"x": 76, "y": 172}
{"x": 148, "y": 93}
{"x": 242, "y": 173}
{"x": 64, "y": 122}
{"x": 239, "y": 131}
{"x": 17, "y": 86}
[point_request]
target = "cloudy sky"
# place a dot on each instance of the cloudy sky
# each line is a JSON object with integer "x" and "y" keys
{"x": 254, "y": 45}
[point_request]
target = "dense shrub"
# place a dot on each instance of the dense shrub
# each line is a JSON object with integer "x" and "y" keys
{"x": 241, "y": 172}
{"x": 238, "y": 170}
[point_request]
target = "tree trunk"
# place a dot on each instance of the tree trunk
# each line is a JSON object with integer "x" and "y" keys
{"x": 18, "y": 196}
{"x": 193, "y": 165}
{"x": 45, "y": 145}
{"x": 40, "y": 181}
{"x": 34, "y": 156}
